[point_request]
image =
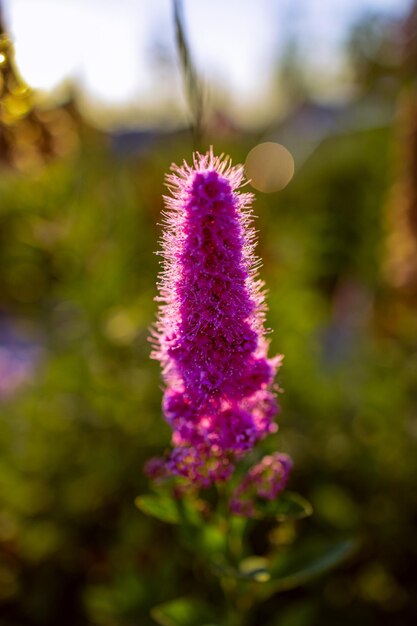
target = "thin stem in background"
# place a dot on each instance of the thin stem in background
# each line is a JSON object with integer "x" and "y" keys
{"x": 193, "y": 87}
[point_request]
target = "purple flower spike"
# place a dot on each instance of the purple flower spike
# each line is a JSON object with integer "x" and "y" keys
{"x": 264, "y": 480}
{"x": 210, "y": 336}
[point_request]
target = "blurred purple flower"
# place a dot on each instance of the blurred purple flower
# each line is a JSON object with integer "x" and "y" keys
{"x": 16, "y": 368}
{"x": 210, "y": 336}
{"x": 18, "y": 360}
{"x": 264, "y": 480}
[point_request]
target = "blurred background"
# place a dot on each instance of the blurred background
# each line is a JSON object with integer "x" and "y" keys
{"x": 97, "y": 98}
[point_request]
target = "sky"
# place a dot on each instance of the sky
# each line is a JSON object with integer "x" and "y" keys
{"x": 123, "y": 51}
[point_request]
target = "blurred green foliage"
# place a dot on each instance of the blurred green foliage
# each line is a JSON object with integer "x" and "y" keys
{"x": 77, "y": 277}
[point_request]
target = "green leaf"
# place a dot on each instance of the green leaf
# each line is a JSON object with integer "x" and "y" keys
{"x": 288, "y": 506}
{"x": 299, "y": 569}
{"x": 161, "y": 508}
{"x": 296, "y": 568}
{"x": 182, "y": 612}
{"x": 169, "y": 509}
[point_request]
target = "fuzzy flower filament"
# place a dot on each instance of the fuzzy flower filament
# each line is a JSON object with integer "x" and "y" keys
{"x": 210, "y": 336}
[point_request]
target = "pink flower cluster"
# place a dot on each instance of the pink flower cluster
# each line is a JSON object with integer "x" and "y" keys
{"x": 264, "y": 480}
{"x": 210, "y": 336}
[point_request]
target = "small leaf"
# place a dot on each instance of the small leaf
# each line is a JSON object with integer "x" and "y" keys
{"x": 288, "y": 506}
{"x": 182, "y": 612}
{"x": 309, "y": 566}
{"x": 163, "y": 509}
{"x": 168, "y": 509}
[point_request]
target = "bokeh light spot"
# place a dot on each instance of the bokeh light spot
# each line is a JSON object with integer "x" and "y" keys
{"x": 269, "y": 167}
{"x": 120, "y": 327}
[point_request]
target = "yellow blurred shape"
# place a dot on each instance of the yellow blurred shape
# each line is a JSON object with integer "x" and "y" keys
{"x": 282, "y": 535}
{"x": 15, "y": 107}
{"x": 120, "y": 327}
{"x": 256, "y": 567}
{"x": 376, "y": 584}
{"x": 17, "y": 88}
{"x": 2, "y": 58}
{"x": 269, "y": 167}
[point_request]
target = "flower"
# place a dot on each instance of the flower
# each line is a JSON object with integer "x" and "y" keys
{"x": 210, "y": 335}
{"x": 264, "y": 480}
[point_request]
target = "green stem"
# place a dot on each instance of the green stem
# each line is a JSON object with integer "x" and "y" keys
{"x": 230, "y": 590}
